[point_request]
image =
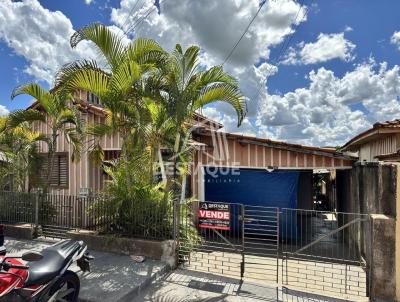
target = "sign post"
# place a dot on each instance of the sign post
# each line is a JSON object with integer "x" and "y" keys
{"x": 214, "y": 216}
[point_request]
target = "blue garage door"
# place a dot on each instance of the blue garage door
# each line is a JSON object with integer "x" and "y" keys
{"x": 254, "y": 187}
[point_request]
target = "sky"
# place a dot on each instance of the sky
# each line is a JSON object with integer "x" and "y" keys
{"x": 312, "y": 72}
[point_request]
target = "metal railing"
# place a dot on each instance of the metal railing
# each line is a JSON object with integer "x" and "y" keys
{"x": 17, "y": 207}
{"x": 326, "y": 251}
{"x": 139, "y": 219}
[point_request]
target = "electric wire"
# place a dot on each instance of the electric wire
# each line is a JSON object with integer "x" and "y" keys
{"x": 125, "y": 23}
{"x": 244, "y": 33}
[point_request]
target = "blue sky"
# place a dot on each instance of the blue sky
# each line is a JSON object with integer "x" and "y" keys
{"x": 337, "y": 77}
{"x": 373, "y": 23}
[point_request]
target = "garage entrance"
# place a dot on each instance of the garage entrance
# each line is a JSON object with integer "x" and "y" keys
{"x": 279, "y": 234}
{"x": 245, "y": 247}
{"x": 306, "y": 250}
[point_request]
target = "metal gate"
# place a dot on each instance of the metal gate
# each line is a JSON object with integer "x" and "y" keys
{"x": 261, "y": 243}
{"x": 55, "y": 215}
{"x": 326, "y": 252}
{"x": 307, "y": 250}
{"x": 249, "y": 249}
{"x": 212, "y": 250}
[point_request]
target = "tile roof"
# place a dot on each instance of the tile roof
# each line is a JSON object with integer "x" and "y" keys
{"x": 388, "y": 124}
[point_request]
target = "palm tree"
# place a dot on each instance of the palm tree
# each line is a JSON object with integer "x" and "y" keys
{"x": 57, "y": 111}
{"x": 142, "y": 73}
{"x": 185, "y": 87}
{"x": 122, "y": 85}
{"x": 149, "y": 97}
{"x": 182, "y": 87}
{"x": 19, "y": 149}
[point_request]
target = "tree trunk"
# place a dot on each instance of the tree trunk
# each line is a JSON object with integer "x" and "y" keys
{"x": 160, "y": 160}
{"x": 51, "y": 156}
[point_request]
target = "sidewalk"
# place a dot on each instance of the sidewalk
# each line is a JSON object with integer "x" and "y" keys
{"x": 116, "y": 278}
{"x": 190, "y": 286}
{"x": 112, "y": 278}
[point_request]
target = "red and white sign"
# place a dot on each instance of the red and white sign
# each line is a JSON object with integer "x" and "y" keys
{"x": 214, "y": 216}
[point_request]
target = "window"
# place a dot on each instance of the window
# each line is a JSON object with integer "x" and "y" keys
{"x": 112, "y": 154}
{"x": 59, "y": 172}
{"x": 92, "y": 99}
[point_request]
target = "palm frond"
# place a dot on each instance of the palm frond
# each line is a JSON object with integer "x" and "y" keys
{"x": 216, "y": 74}
{"x": 18, "y": 117}
{"x": 34, "y": 90}
{"x": 96, "y": 154}
{"x": 125, "y": 76}
{"x": 85, "y": 75}
{"x": 99, "y": 130}
{"x": 68, "y": 116}
{"x": 109, "y": 44}
{"x": 146, "y": 51}
{"x": 75, "y": 139}
{"x": 225, "y": 93}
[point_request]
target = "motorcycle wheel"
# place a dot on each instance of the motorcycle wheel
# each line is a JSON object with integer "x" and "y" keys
{"x": 69, "y": 292}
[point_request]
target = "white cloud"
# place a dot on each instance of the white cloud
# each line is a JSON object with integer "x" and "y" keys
{"x": 4, "y": 110}
{"x": 39, "y": 35}
{"x": 216, "y": 25}
{"x": 327, "y": 47}
{"x": 395, "y": 39}
{"x": 88, "y": 2}
{"x": 320, "y": 114}
{"x": 230, "y": 122}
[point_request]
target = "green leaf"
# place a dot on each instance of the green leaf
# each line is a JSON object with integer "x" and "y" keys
{"x": 36, "y": 91}
{"x": 146, "y": 51}
{"x": 224, "y": 93}
{"x": 99, "y": 129}
{"x": 85, "y": 75}
{"x": 109, "y": 44}
{"x": 19, "y": 117}
{"x": 125, "y": 76}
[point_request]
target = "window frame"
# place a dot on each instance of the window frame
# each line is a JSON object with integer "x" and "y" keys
{"x": 57, "y": 157}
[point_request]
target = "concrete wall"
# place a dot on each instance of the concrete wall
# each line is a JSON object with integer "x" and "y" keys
{"x": 369, "y": 188}
{"x": 383, "y": 258}
{"x": 19, "y": 231}
{"x": 374, "y": 188}
{"x": 162, "y": 250}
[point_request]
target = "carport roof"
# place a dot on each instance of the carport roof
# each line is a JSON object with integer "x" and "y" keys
{"x": 245, "y": 139}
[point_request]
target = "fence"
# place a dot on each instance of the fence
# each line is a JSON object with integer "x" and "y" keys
{"x": 144, "y": 219}
{"x": 326, "y": 251}
{"x": 17, "y": 207}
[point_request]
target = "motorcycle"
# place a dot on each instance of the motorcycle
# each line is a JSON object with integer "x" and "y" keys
{"x": 44, "y": 276}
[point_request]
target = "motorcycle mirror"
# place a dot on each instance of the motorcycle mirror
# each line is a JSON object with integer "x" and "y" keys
{"x": 32, "y": 256}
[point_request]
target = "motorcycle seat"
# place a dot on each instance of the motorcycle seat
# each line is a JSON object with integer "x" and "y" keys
{"x": 55, "y": 258}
